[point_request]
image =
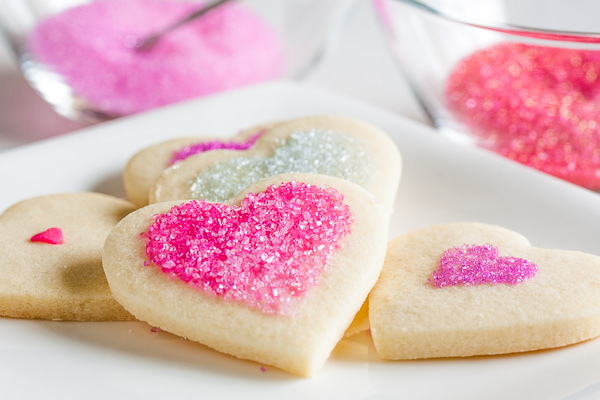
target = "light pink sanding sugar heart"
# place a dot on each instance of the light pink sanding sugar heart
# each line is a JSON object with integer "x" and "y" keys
{"x": 476, "y": 265}
{"x": 265, "y": 252}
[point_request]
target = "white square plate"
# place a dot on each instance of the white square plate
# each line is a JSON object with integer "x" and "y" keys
{"x": 441, "y": 182}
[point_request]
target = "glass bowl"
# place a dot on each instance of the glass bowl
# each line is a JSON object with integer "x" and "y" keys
{"x": 80, "y": 55}
{"x": 520, "y": 78}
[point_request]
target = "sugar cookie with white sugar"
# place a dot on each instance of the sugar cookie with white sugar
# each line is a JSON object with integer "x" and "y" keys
{"x": 469, "y": 289}
{"x": 276, "y": 276}
{"x": 330, "y": 145}
{"x": 50, "y": 257}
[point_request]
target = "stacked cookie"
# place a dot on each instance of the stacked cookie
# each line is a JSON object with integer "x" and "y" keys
{"x": 266, "y": 252}
{"x": 265, "y": 247}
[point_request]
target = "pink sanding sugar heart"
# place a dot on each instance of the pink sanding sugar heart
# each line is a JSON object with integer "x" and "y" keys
{"x": 537, "y": 105}
{"x": 265, "y": 252}
{"x": 476, "y": 265}
{"x": 201, "y": 147}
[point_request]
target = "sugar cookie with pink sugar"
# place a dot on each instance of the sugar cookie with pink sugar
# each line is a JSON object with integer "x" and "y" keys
{"x": 145, "y": 166}
{"x": 330, "y": 145}
{"x": 50, "y": 257}
{"x": 274, "y": 276}
{"x": 467, "y": 289}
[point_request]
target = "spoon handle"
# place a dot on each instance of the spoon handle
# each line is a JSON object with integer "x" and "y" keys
{"x": 148, "y": 42}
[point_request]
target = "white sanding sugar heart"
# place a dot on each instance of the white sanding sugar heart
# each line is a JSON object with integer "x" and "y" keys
{"x": 329, "y": 145}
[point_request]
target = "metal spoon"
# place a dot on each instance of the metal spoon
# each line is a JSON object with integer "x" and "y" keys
{"x": 148, "y": 42}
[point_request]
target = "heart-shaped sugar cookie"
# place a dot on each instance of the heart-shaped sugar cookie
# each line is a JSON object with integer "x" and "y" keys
{"x": 50, "y": 257}
{"x": 327, "y": 145}
{"x": 275, "y": 277}
{"x": 470, "y": 289}
{"x": 146, "y": 165}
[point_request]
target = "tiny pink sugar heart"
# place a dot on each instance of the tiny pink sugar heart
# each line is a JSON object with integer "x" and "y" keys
{"x": 265, "y": 252}
{"x": 275, "y": 276}
{"x": 50, "y": 236}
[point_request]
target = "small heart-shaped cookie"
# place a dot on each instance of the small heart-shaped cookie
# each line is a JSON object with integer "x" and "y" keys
{"x": 145, "y": 166}
{"x": 327, "y": 145}
{"x": 470, "y": 289}
{"x": 50, "y": 257}
{"x": 276, "y": 276}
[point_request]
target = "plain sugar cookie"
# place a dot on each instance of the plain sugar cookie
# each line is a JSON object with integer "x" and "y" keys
{"x": 50, "y": 257}
{"x": 275, "y": 277}
{"x": 471, "y": 289}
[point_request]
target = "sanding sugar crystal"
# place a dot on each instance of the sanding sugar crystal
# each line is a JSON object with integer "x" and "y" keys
{"x": 92, "y": 47}
{"x": 314, "y": 151}
{"x": 537, "y": 105}
{"x": 477, "y": 265}
{"x": 266, "y": 252}
{"x": 201, "y": 147}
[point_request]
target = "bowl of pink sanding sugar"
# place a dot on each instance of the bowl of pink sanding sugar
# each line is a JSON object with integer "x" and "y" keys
{"x": 81, "y": 56}
{"x": 520, "y": 78}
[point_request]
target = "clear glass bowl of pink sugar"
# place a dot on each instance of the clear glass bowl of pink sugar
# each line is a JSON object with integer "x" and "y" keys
{"x": 81, "y": 56}
{"x": 520, "y": 78}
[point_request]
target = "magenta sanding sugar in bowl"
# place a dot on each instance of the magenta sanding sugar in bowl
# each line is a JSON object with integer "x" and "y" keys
{"x": 537, "y": 105}
{"x": 92, "y": 48}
